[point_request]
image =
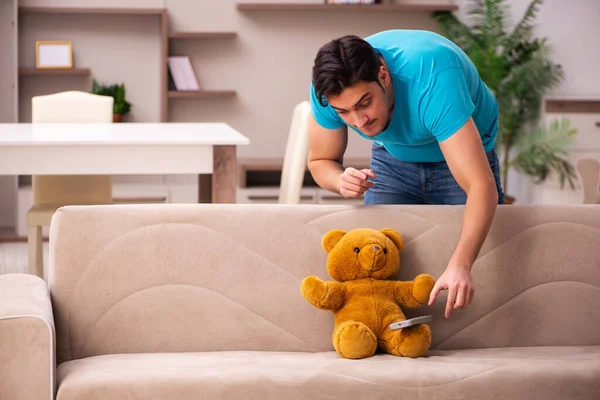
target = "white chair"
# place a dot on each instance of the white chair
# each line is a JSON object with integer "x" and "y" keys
{"x": 296, "y": 156}
{"x": 53, "y": 191}
{"x": 589, "y": 170}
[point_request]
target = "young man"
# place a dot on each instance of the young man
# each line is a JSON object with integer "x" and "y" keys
{"x": 433, "y": 123}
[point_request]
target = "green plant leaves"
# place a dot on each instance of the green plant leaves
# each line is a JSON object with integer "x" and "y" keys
{"x": 518, "y": 69}
{"x": 544, "y": 151}
{"x": 117, "y": 92}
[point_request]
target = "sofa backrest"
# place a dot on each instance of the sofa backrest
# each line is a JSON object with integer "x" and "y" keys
{"x": 202, "y": 277}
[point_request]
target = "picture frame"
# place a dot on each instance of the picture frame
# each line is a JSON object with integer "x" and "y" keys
{"x": 53, "y": 55}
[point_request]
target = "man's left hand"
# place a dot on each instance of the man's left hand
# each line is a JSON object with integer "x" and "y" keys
{"x": 457, "y": 280}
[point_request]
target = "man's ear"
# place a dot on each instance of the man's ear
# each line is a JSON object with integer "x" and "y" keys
{"x": 394, "y": 237}
{"x": 331, "y": 239}
{"x": 384, "y": 75}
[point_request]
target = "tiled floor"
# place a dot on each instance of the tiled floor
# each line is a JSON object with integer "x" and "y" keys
{"x": 13, "y": 257}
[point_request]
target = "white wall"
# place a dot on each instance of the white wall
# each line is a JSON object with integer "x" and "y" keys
{"x": 573, "y": 28}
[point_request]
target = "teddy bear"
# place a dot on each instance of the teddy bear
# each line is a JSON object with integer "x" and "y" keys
{"x": 364, "y": 301}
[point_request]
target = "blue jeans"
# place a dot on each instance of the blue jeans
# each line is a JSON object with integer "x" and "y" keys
{"x": 399, "y": 182}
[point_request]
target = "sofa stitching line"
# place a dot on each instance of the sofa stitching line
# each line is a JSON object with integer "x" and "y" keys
{"x": 509, "y": 300}
{"x": 432, "y": 225}
{"x": 77, "y": 284}
{"x": 514, "y": 235}
{"x": 414, "y": 387}
{"x": 354, "y": 209}
{"x": 84, "y": 342}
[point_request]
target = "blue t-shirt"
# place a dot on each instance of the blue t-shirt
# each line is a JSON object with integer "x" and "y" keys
{"x": 436, "y": 89}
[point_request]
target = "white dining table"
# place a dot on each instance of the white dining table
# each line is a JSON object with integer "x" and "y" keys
{"x": 205, "y": 149}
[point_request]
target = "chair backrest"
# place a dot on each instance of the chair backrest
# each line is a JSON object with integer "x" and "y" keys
{"x": 71, "y": 107}
{"x": 589, "y": 170}
{"x": 296, "y": 154}
{"x": 210, "y": 277}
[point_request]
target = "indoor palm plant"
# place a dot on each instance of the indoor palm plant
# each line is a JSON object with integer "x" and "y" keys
{"x": 121, "y": 106}
{"x": 518, "y": 69}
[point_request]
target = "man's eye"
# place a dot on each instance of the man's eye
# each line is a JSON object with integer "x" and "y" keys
{"x": 365, "y": 105}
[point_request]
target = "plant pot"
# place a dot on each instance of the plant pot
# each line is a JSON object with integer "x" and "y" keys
{"x": 117, "y": 117}
{"x": 509, "y": 199}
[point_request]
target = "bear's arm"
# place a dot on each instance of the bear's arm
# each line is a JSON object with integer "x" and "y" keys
{"x": 413, "y": 294}
{"x": 323, "y": 295}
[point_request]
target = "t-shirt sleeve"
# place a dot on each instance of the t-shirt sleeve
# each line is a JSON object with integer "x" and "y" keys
{"x": 446, "y": 104}
{"x": 324, "y": 116}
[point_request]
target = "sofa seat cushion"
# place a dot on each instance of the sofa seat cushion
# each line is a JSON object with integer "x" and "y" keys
{"x": 532, "y": 373}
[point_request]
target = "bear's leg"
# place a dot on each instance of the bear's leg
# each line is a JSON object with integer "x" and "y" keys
{"x": 410, "y": 342}
{"x": 353, "y": 339}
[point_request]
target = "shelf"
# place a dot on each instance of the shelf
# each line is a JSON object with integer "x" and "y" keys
{"x": 202, "y": 35}
{"x": 174, "y": 94}
{"x": 253, "y": 172}
{"x": 54, "y": 72}
{"x": 591, "y": 106}
{"x": 99, "y": 11}
{"x": 401, "y": 7}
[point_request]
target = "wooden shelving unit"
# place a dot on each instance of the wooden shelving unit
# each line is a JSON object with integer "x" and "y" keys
{"x": 573, "y": 106}
{"x": 387, "y": 7}
{"x": 54, "y": 72}
{"x": 174, "y": 94}
{"x": 202, "y": 35}
{"x": 165, "y": 37}
{"x": 201, "y": 94}
{"x": 92, "y": 11}
{"x": 158, "y": 12}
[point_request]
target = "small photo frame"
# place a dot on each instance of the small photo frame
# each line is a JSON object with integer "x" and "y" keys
{"x": 53, "y": 55}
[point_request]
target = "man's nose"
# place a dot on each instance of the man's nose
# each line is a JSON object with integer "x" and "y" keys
{"x": 361, "y": 120}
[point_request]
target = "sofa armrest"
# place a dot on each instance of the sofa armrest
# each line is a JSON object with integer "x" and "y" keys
{"x": 27, "y": 338}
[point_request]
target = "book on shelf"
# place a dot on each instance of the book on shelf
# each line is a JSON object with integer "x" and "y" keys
{"x": 353, "y": 1}
{"x": 182, "y": 74}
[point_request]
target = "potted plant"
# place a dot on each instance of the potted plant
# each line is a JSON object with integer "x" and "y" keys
{"x": 518, "y": 70}
{"x": 117, "y": 91}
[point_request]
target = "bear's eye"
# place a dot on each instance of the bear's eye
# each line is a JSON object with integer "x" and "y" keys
{"x": 356, "y": 250}
{"x": 384, "y": 250}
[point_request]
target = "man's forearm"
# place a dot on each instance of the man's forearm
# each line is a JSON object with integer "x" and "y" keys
{"x": 479, "y": 212}
{"x": 327, "y": 174}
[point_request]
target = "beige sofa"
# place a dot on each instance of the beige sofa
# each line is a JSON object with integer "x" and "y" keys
{"x": 203, "y": 302}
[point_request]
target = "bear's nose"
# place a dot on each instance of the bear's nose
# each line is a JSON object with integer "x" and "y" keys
{"x": 375, "y": 247}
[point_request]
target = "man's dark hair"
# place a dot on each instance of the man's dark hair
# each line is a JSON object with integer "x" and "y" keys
{"x": 341, "y": 63}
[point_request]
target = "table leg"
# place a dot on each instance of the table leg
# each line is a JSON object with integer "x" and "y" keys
{"x": 224, "y": 177}
{"x": 205, "y": 188}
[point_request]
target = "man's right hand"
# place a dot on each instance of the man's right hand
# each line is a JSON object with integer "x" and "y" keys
{"x": 354, "y": 183}
{"x": 325, "y": 162}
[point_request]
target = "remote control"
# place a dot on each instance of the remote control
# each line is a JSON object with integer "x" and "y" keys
{"x": 410, "y": 322}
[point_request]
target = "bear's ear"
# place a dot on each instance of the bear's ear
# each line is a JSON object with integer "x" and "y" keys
{"x": 331, "y": 239}
{"x": 394, "y": 237}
